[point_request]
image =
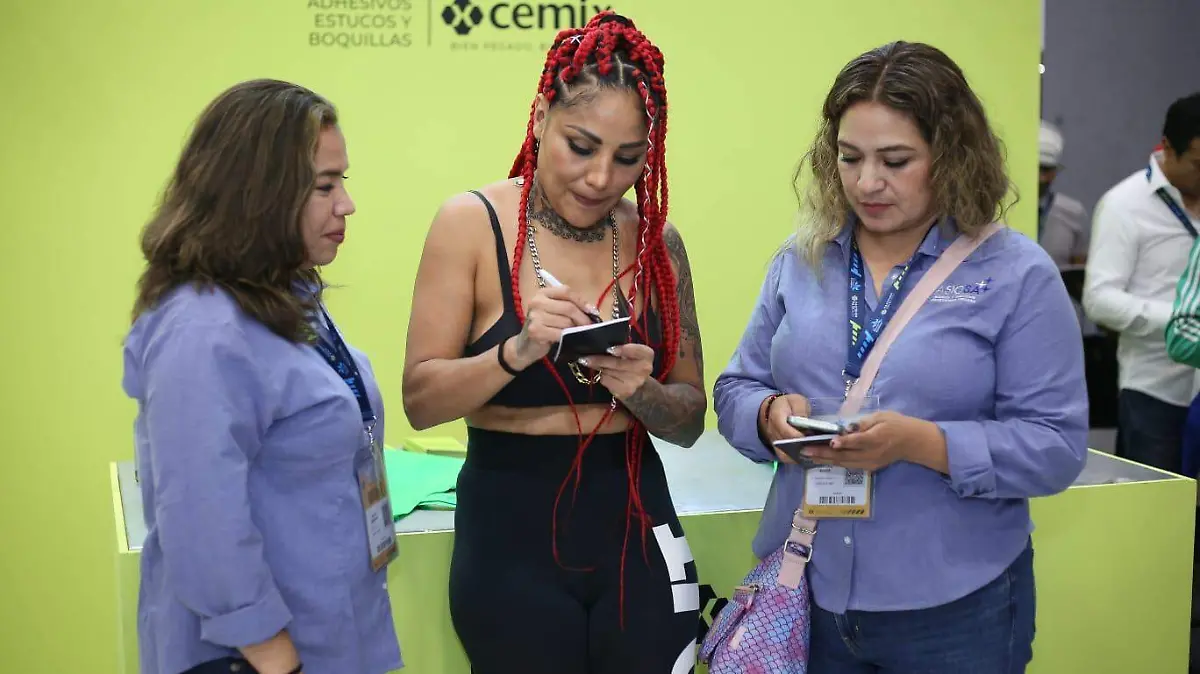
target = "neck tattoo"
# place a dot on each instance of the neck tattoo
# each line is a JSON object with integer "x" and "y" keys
{"x": 539, "y": 211}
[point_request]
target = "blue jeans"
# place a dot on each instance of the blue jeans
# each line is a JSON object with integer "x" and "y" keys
{"x": 1150, "y": 431}
{"x": 989, "y": 631}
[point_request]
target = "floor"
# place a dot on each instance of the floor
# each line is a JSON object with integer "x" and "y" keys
{"x": 1102, "y": 439}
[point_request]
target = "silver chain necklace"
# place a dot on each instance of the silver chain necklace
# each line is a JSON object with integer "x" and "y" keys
{"x": 616, "y": 270}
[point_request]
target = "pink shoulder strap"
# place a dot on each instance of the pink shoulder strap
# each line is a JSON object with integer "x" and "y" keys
{"x": 798, "y": 546}
{"x": 937, "y": 274}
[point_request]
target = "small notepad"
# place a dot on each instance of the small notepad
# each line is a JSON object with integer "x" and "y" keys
{"x": 591, "y": 340}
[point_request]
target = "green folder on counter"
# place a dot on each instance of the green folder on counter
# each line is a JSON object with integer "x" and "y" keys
{"x": 420, "y": 480}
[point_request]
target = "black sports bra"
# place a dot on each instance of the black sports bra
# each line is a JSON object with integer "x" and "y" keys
{"x": 535, "y": 386}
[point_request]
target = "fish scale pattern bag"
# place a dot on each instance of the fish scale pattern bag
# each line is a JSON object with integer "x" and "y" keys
{"x": 764, "y": 629}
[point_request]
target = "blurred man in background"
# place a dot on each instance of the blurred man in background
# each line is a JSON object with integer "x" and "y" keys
{"x": 1063, "y": 228}
{"x": 1064, "y": 231}
{"x": 1143, "y": 231}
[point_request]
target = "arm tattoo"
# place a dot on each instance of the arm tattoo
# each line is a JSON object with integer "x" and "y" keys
{"x": 689, "y": 323}
{"x": 675, "y": 412}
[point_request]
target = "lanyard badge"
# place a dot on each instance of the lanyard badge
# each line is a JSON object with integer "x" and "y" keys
{"x": 377, "y": 507}
{"x": 369, "y": 465}
{"x": 1174, "y": 207}
{"x": 834, "y": 492}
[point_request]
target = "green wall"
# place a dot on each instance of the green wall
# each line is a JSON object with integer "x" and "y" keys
{"x": 99, "y": 97}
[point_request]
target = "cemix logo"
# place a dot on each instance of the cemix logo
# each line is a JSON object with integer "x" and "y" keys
{"x": 463, "y": 16}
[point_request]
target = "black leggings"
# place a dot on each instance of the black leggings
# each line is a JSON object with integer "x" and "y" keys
{"x": 518, "y": 611}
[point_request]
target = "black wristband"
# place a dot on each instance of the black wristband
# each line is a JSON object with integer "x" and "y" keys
{"x": 503, "y": 363}
{"x": 299, "y": 668}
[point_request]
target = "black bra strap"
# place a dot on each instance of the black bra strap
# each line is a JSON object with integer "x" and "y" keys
{"x": 510, "y": 305}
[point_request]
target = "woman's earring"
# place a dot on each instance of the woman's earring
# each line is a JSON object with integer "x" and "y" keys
{"x": 536, "y": 146}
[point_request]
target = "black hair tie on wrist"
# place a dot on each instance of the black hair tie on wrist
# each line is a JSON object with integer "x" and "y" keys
{"x": 503, "y": 363}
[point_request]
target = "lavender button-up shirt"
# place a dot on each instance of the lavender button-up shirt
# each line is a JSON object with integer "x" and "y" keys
{"x": 246, "y": 445}
{"x": 994, "y": 358}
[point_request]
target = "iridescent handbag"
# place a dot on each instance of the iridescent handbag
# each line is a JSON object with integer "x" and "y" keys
{"x": 766, "y": 626}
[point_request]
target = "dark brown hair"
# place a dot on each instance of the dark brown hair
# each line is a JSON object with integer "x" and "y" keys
{"x": 967, "y": 178}
{"x": 1182, "y": 124}
{"x": 230, "y": 214}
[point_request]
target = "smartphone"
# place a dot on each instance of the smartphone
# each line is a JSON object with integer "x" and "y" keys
{"x": 793, "y": 446}
{"x": 815, "y": 425}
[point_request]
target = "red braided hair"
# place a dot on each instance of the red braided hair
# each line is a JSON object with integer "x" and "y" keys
{"x": 611, "y": 52}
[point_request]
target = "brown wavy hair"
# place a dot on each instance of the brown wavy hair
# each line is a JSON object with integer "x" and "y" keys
{"x": 968, "y": 178}
{"x": 230, "y": 215}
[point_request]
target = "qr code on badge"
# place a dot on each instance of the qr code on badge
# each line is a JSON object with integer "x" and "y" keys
{"x": 853, "y": 478}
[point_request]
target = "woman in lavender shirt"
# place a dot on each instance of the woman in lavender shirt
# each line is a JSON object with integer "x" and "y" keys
{"x": 982, "y": 402}
{"x": 248, "y": 442}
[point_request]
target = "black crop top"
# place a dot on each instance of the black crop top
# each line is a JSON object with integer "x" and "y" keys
{"x": 535, "y": 386}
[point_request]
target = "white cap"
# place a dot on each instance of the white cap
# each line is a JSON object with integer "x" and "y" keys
{"x": 1050, "y": 145}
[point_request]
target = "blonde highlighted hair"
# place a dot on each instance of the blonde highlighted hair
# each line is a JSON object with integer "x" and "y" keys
{"x": 968, "y": 178}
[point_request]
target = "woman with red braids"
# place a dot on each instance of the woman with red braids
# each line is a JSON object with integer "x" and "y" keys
{"x": 568, "y": 555}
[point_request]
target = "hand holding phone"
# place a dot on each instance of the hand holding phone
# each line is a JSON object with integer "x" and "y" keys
{"x": 817, "y": 432}
{"x": 815, "y": 425}
{"x": 792, "y": 447}
{"x": 774, "y": 413}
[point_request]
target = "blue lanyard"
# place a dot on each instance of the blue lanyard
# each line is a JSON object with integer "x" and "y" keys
{"x": 864, "y": 333}
{"x": 1175, "y": 208}
{"x": 339, "y": 358}
{"x": 1043, "y": 211}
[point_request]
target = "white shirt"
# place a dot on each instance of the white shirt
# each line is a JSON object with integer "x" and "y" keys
{"x": 1139, "y": 250}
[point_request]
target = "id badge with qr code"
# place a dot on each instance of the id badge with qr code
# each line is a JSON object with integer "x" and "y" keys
{"x": 377, "y": 507}
{"x": 833, "y": 492}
